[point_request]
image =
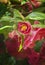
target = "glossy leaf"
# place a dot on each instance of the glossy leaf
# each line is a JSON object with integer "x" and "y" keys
{"x": 18, "y": 16}
{"x": 7, "y": 20}
{"x": 23, "y": 2}
{"x": 5, "y": 30}
{"x": 36, "y": 16}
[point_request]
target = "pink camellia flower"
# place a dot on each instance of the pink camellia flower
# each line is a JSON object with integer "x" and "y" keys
{"x": 36, "y": 3}
{"x": 36, "y": 58}
{"x": 24, "y": 27}
{"x": 12, "y": 48}
{"x": 12, "y": 44}
{"x": 31, "y": 39}
{"x": 33, "y": 57}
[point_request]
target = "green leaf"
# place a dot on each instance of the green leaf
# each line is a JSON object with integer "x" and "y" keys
{"x": 23, "y": 2}
{"x": 38, "y": 45}
{"x": 40, "y": 9}
{"x": 7, "y": 59}
{"x": 5, "y": 30}
{"x": 6, "y": 20}
{"x": 36, "y": 16}
{"x": 42, "y": 0}
{"x": 11, "y": 61}
{"x": 3, "y": 9}
{"x": 18, "y": 16}
{"x": 39, "y": 25}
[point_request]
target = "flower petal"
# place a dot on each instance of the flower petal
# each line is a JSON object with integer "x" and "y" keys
{"x": 24, "y": 27}
{"x": 36, "y": 35}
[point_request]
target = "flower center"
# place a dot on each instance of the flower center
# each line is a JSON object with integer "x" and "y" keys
{"x": 23, "y": 28}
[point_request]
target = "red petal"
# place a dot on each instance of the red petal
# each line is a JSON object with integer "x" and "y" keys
{"x": 36, "y": 35}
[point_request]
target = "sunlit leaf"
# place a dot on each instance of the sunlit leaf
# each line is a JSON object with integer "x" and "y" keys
{"x": 18, "y": 16}
{"x": 36, "y": 16}
{"x": 23, "y": 2}
{"x": 5, "y": 30}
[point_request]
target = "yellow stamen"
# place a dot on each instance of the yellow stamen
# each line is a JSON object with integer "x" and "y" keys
{"x": 24, "y": 27}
